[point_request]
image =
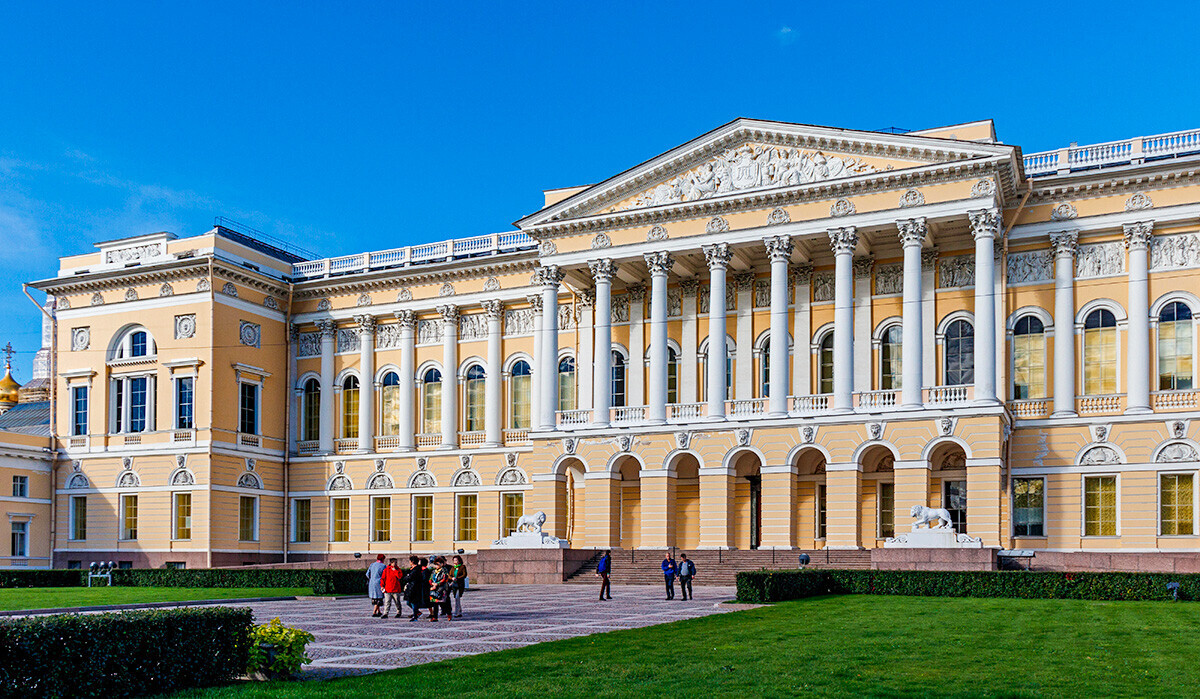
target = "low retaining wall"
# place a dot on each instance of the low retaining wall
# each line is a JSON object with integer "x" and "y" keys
{"x": 934, "y": 559}
{"x": 1084, "y": 561}
{"x": 527, "y": 566}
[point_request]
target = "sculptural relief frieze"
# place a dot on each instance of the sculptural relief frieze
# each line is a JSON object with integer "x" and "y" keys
{"x": 518, "y": 321}
{"x": 822, "y": 286}
{"x": 308, "y": 344}
{"x": 429, "y": 331}
{"x": 1099, "y": 260}
{"x": 889, "y": 278}
{"x": 1030, "y": 266}
{"x": 1175, "y": 251}
{"x": 956, "y": 271}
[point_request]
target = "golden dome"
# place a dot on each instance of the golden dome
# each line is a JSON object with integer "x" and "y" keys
{"x": 9, "y": 388}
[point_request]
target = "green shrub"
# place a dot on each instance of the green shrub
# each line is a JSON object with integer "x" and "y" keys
{"x": 764, "y": 586}
{"x": 124, "y": 653}
{"x": 277, "y": 651}
{"x": 41, "y": 578}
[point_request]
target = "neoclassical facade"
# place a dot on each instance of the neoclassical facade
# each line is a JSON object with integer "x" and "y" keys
{"x": 772, "y": 336}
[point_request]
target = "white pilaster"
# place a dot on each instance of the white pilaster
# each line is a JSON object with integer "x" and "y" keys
{"x": 366, "y": 383}
{"x": 985, "y": 225}
{"x": 325, "y": 432}
{"x": 549, "y": 277}
{"x": 449, "y": 313}
{"x": 583, "y": 362}
{"x": 863, "y": 322}
{"x": 912, "y": 236}
{"x": 779, "y": 251}
{"x": 635, "y": 377}
{"x": 296, "y": 393}
{"x": 1138, "y": 368}
{"x": 802, "y": 330}
{"x": 539, "y": 350}
{"x": 929, "y": 375}
{"x": 660, "y": 264}
{"x": 408, "y": 378}
{"x": 1065, "y": 244}
{"x": 493, "y": 416}
{"x": 689, "y": 360}
{"x": 602, "y": 272}
{"x": 718, "y": 257}
{"x": 744, "y": 380}
{"x": 843, "y": 241}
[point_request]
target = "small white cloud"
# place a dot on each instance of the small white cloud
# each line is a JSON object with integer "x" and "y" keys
{"x": 785, "y": 35}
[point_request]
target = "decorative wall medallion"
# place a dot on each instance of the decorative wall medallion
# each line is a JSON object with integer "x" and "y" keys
{"x": 404, "y": 295}
{"x": 841, "y": 207}
{"x": 185, "y": 326}
{"x": 363, "y": 300}
{"x": 446, "y": 290}
{"x": 421, "y": 479}
{"x": 1179, "y": 429}
{"x": 547, "y": 247}
{"x": 570, "y": 444}
{"x": 657, "y": 233}
{"x": 250, "y": 334}
{"x": 250, "y": 463}
{"x": 625, "y": 442}
{"x": 62, "y": 303}
{"x": 166, "y": 290}
{"x": 983, "y": 188}
{"x": 511, "y": 476}
{"x": 808, "y": 433}
{"x": 131, "y": 294}
{"x": 601, "y": 241}
{"x": 1138, "y": 201}
{"x": 743, "y": 436}
{"x": 1100, "y": 433}
{"x": 341, "y": 483}
{"x": 339, "y": 467}
{"x": 778, "y": 216}
{"x": 492, "y": 284}
{"x": 946, "y": 426}
{"x": 466, "y": 479}
{"x": 682, "y": 440}
{"x": 1177, "y": 452}
{"x": 271, "y": 303}
{"x": 914, "y": 197}
{"x": 180, "y": 460}
{"x": 716, "y": 224}
{"x": 1064, "y": 212}
{"x": 250, "y": 480}
{"x": 229, "y": 289}
{"x": 97, "y": 299}
{"x": 81, "y": 339}
{"x": 1100, "y": 455}
{"x": 324, "y": 305}
{"x": 875, "y": 430}
{"x": 422, "y": 462}
{"x": 511, "y": 459}
{"x": 380, "y": 481}
{"x": 126, "y": 463}
{"x": 465, "y": 459}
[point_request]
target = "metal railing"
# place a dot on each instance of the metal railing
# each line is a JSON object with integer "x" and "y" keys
{"x": 1127, "y": 152}
{"x": 442, "y": 251}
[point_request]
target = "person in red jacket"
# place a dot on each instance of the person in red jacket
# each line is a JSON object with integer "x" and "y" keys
{"x": 392, "y": 587}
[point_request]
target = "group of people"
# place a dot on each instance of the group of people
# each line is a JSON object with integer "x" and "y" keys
{"x": 684, "y": 569}
{"x": 436, "y": 585}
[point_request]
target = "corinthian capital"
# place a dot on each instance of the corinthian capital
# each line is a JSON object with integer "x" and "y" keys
{"x": 548, "y": 275}
{"x": 1065, "y": 243}
{"x": 366, "y": 323}
{"x": 327, "y": 327}
{"x": 985, "y": 223}
{"x": 493, "y": 309}
{"x": 449, "y": 313}
{"x": 843, "y": 240}
{"x": 779, "y": 247}
{"x": 863, "y": 264}
{"x": 407, "y": 319}
{"x": 535, "y": 302}
{"x": 912, "y": 231}
{"x": 1138, "y": 234}
{"x": 660, "y": 262}
{"x": 802, "y": 273}
{"x": 603, "y": 270}
{"x": 718, "y": 256}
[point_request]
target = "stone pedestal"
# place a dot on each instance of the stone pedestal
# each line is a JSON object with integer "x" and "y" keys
{"x": 937, "y": 538}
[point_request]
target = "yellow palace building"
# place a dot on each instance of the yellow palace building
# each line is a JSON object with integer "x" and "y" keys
{"x": 774, "y": 336}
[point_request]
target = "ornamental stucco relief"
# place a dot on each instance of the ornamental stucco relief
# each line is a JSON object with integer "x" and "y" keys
{"x": 889, "y": 278}
{"x": 822, "y": 286}
{"x": 956, "y": 271}
{"x": 347, "y": 340}
{"x": 1174, "y": 251}
{"x": 1031, "y": 266}
{"x": 308, "y": 344}
{"x": 429, "y": 331}
{"x": 472, "y": 327}
{"x": 518, "y": 321}
{"x": 1099, "y": 260}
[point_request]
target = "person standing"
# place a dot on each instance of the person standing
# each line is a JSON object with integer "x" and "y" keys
{"x": 374, "y": 591}
{"x": 392, "y": 581}
{"x": 439, "y": 590}
{"x": 458, "y": 584}
{"x": 669, "y": 571}
{"x": 604, "y": 569}
{"x": 687, "y": 571}
{"x": 414, "y": 581}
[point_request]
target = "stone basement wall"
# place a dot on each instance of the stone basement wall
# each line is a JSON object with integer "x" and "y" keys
{"x": 1081, "y": 561}
{"x": 527, "y": 566}
{"x": 934, "y": 559}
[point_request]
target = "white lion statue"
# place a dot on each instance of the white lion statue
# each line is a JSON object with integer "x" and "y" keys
{"x": 926, "y": 515}
{"x": 531, "y": 523}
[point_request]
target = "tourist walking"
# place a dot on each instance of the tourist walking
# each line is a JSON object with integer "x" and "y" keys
{"x": 374, "y": 591}
{"x": 669, "y": 571}
{"x": 687, "y": 571}
{"x": 392, "y": 581}
{"x": 439, "y": 590}
{"x": 604, "y": 569}
{"x": 414, "y": 587}
{"x": 458, "y": 584}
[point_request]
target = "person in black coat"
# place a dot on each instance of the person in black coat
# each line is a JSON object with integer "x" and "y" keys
{"x": 414, "y": 583}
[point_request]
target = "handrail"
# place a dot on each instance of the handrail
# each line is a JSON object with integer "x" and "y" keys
{"x": 1131, "y": 151}
{"x": 440, "y": 251}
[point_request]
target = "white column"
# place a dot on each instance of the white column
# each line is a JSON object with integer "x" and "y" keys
{"x": 779, "y": 251}
{"x": 366, "y": 383}
{"x": 802, "y": 330}
{"x": 745, "y": 381}
{"x": 718, "y": 257}
{"x": 325, "y": 432}
{"x": 494, "y": 402}
{"x": 539, "y": 349}
{"x": 635, "y": 378}
{"x": 985, "y": 224}
{"x": 449, "y": 314}
{"x": 296, "y": 403}
{"x": 602, "y": 271}
{"x": 408, "y": 378}
{"x": 843, "y": 241}
{"x": 929, "y": 375}
{"x": 912, "y": 236}
{"x": 1064, "y": 322}
{"x": 549, "y": 276}
{"x": 583, "y": 361}
{"x": 689, "y": 363}
{"x": 660, "y": 264}
{"x": 1000, "y": 336}
{"x": 864, "y": 323}
{"x": 1138, "y": 365}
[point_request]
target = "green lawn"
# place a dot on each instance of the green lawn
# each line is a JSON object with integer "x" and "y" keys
{"x": 834, "y": 646}
{"x": 49, "y": 597}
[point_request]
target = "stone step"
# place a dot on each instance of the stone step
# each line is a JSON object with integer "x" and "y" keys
{"x": 715, "y": 567}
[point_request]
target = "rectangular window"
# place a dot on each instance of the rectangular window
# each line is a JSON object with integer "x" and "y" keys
{"x": 138, "y": 401}
{"x": 381, "y": 519}
{"x": 79, "y": 410}
{"x": 1029, "y": 507}
{"x": 431, "y": 395}
{"x": 821, "y": 503}
{"x": 247, "y": 518}
{"x": 20, "y": 539}
{"x": 1099, "y": 361}
{"x": 522, "y": 396}
{"x": 422, "y": 518}
{"x": 341, "y": 519}
{"x": 514, "y": 509}
{"x": 247, "y": 408}
{"x": 476, "y": 402}
{"x": 20, "y": 486}
{"x": 468, "y": 510}
{"x": 566, "y": 387}
{"x": 672, "y": 378}
{"x": 302, "y": 521}
{"x": 955, "y": 500}
{"x": 1100, "y": 506}
{"x": 1175, "y": 504}
{"x": 1029, "y": 366}
{"x": 118, "y": 405}
{"x": 350, "y": 410}
{"x": 887, "y": 510}
{"x": 183, "y": 515}
{"x": 79, "y": 518}
{"x": 129, "y": 517}
{"x": 184, "y": 403}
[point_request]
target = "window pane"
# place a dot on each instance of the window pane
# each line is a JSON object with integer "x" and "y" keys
{"x": 341, "y": 519}
{"x": 129, "y": 513}
{"x": 79, "y": 401}
{"x": 247, "y": 518}
{"x": 423, "y": 518}
{"x": 1100, "y": 506}
{"x": 137, "y": 404}
{"x": 1176, "y": 504}
{"x": 79, "y": 517}
{"x": 183, "y": 515}
{"x": 887, "y": 510}
{"x": 467, "y": 517}
{"x": 514, "y": 509}
{"x": 1028, "y": 507}
{"x": 432, "y": 412}
{"x": 303, "y": 524}
{"x": 566, "y": 384}
{"x": 312, "y": 410}
{"x": 184, "y": 398}
{"x": 522, "y": 395}
{"x": 350, "y": 410}
{"x": 476, "y": 401}
{"x": 381, "y": 518}
{"x": 248, "y": 409}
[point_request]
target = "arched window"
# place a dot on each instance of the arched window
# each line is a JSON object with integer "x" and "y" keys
{"x": 825, "y": 365}
{"x": 389, "y": 414}
{"x": 672, "y": 375}
{"x": 618, "y": 379}
{"x": 1100, "y": 353}
{"x": 960, "y": 353}
{"x": 311, "y": 429}
{"x": 521, "y": 396}
{"x": 1029, "y": 358}
{"x": 350, "y": 407}
{"x": 566, "y": 383}
{"x": 476, "y": 400}
{"x": 431, "y": 402}
{"x": 1175, "y": 347}
{"x": 890, "y": 358}
{"x": 134, "y": 342}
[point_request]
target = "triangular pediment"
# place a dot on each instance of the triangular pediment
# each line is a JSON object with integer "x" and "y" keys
{"x": 748, "y": 156}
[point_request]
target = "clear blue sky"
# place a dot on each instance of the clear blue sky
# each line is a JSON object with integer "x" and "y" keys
{"x": 367, "y": 125}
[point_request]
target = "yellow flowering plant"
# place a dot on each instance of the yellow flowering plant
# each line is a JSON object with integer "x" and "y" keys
{"x": 277, "y": 650}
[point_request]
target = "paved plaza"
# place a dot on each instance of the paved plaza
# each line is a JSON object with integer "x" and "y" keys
{"x": 498, "y": 617}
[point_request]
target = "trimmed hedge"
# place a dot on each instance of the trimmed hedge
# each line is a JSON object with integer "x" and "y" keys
{"x": 765, "y": 586}
{"x": 122, "y": 654}
{"x": 322, "y": 582}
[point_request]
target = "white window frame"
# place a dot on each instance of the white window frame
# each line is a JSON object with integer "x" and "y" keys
{"x": 879, "y": 508}
{"x": 1158, "y": 501}
{"x": 333, "y": 519}
{"x": 254, "y": 524}
{"x": 1163, "y": 302}
{"x": 175, "y": 513}
{"x": 258, "y": 386}
{"x": 1012, "y": 506}
{"x": 503, "y": 494}
{"x": 412, "y": 527}
{"x": 121, "y": 531}
{"x": 509, "y": 413}
{"x": 940, "y": 343}
{"x": 120, "y": 382}
{"x": 23, "y": 481}
{"x": 24, "y": 533}
{"x": 87, "y": 408}
{"x": 175, "y": 405}
{"x": 1047, "y": 333}
{"x": 877, "y": 350}
{"x": 1083, "y": 505}
{"x": 371, "y": 524}
{"x": 1121, "y": 331}
{"x": 71, "y": 516}
{"x": 296, "y": 522}
{"x": 420, "y": 394}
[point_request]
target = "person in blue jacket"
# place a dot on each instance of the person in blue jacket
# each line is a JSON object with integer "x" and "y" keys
{"x": 604, "y": 569}
{"x": 669, "y": 571}
{"x": 687, "y": 571}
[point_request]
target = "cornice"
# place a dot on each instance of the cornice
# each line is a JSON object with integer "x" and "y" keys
{"x": 191, "y": 268}
{"x": 394, "y": 279}
{"x": 248, "y": 278}
{"x": 1108, "y": 182}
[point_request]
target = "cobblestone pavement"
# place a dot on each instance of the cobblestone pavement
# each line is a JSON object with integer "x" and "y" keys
{"x": 497, "y": 617}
